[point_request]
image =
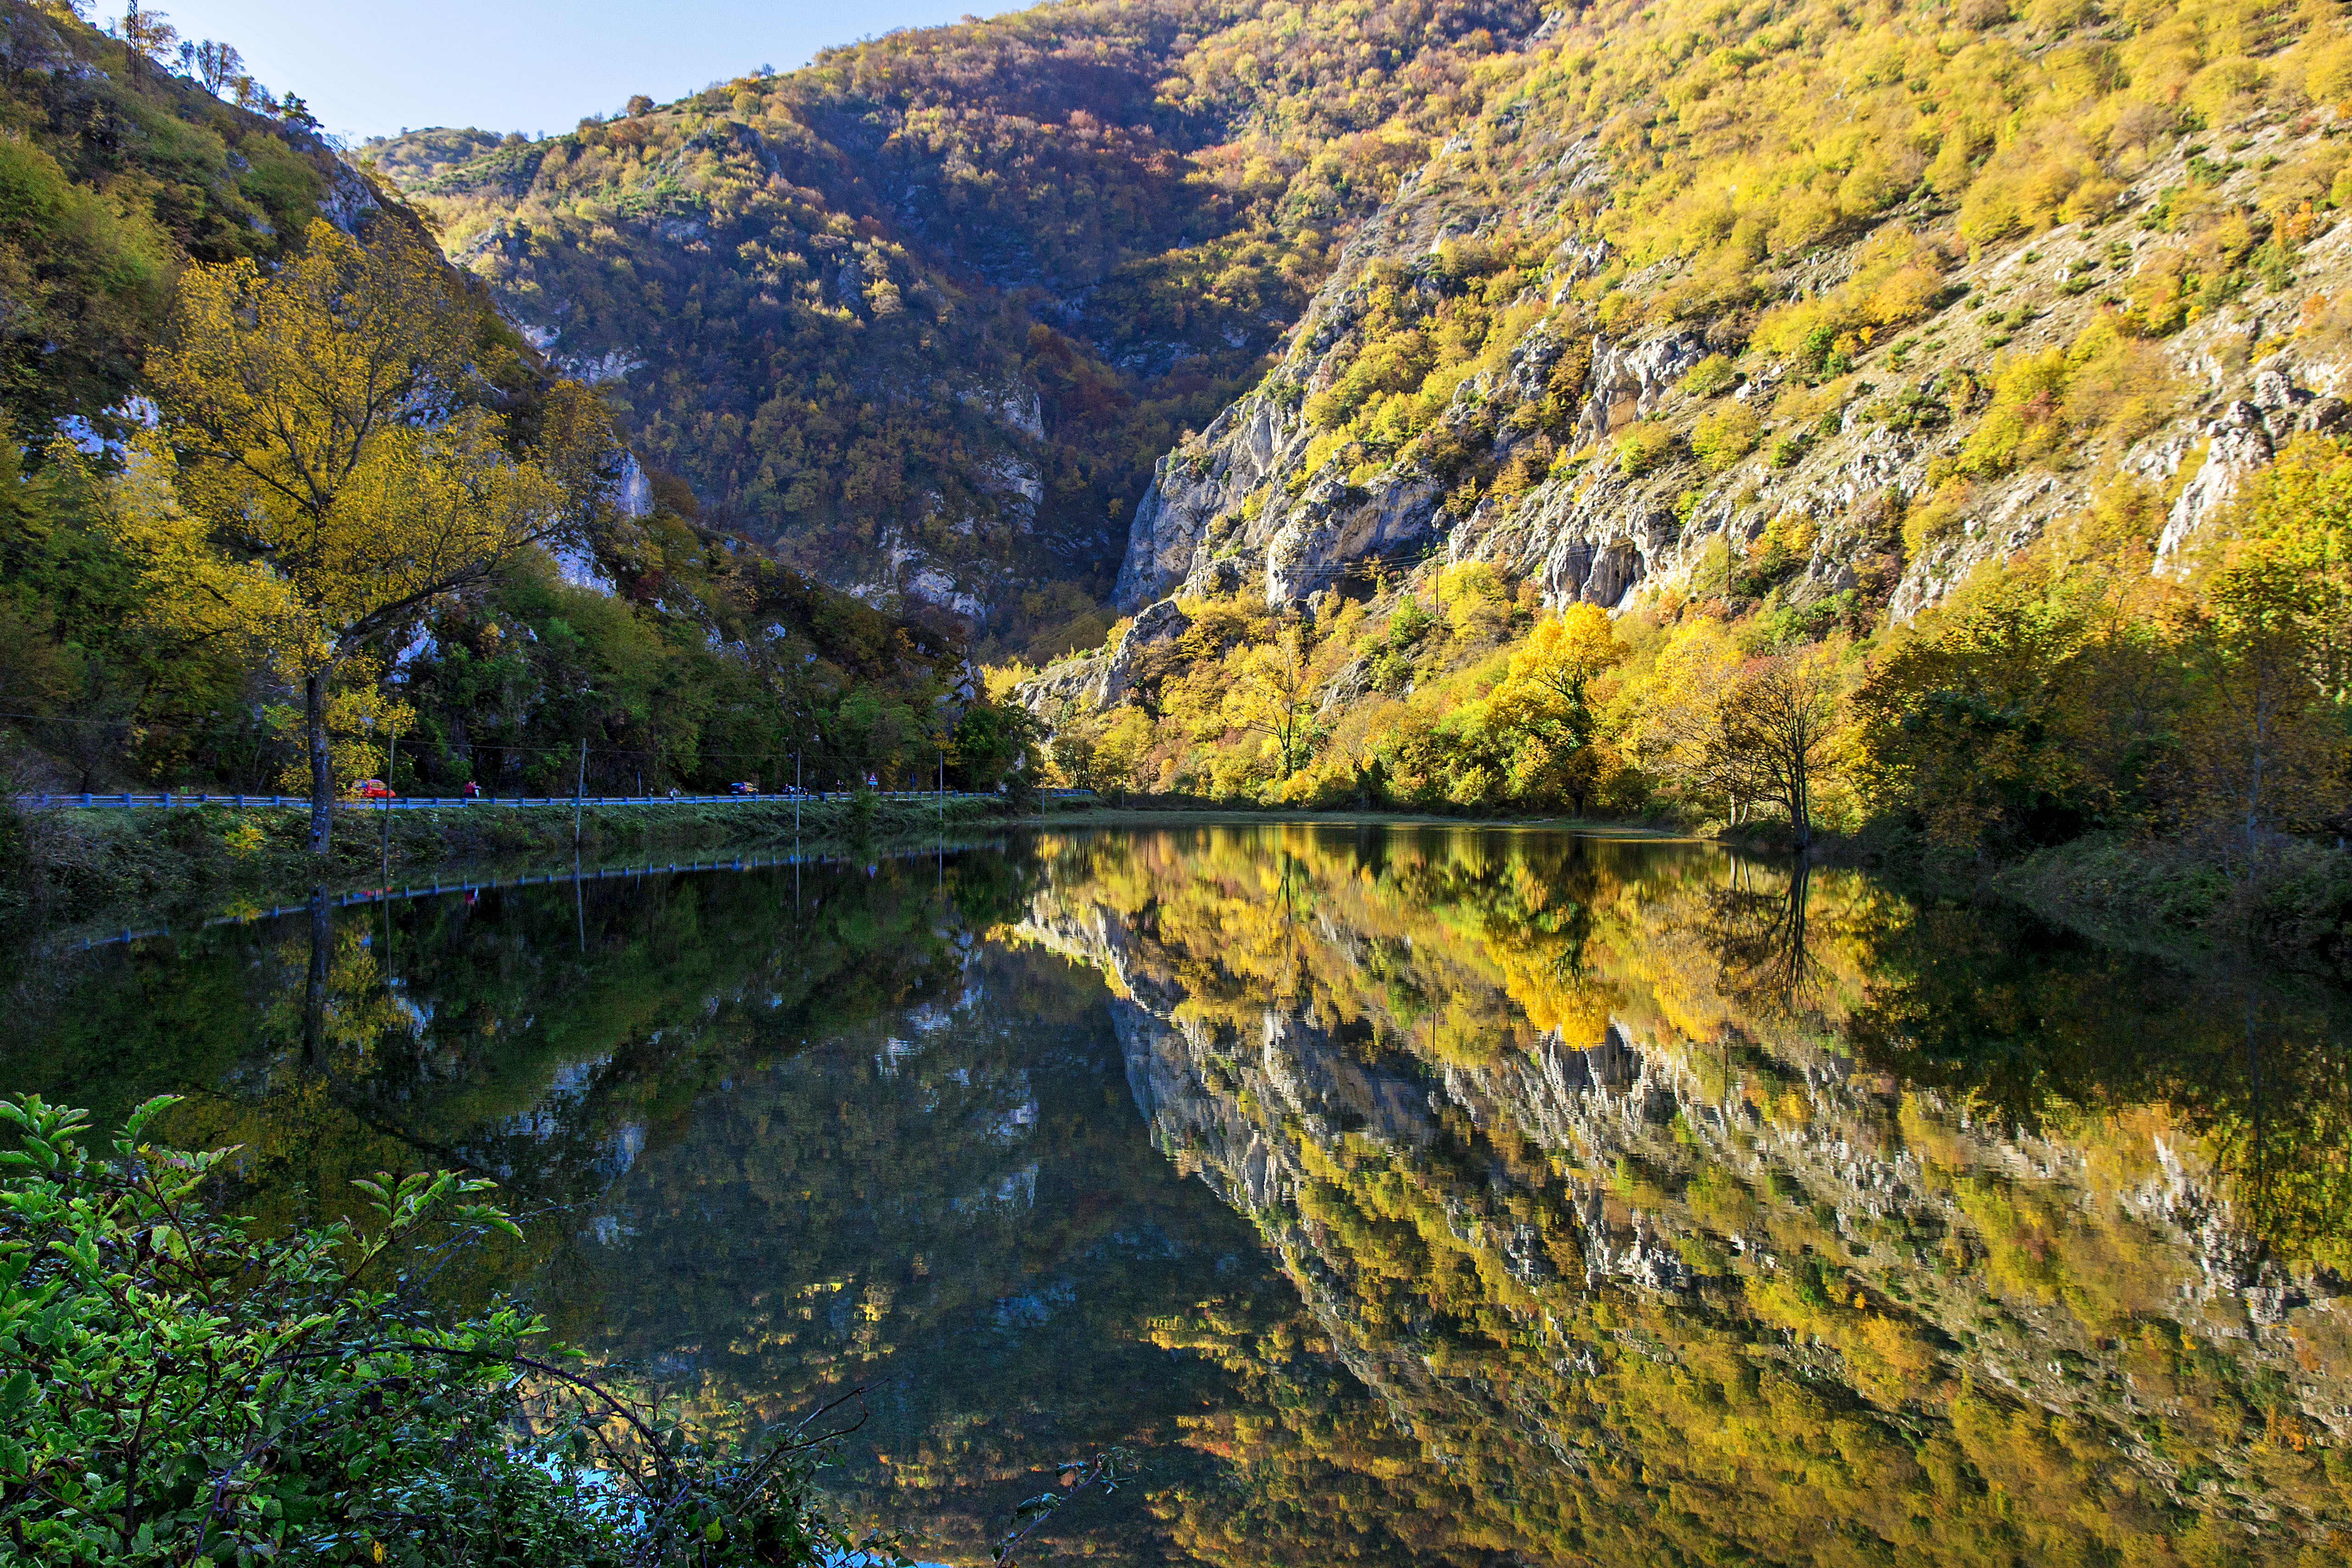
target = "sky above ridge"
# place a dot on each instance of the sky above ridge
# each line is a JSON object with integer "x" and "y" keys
{"x": 531, "y": 66}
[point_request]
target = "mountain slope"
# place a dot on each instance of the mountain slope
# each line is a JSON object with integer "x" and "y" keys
{"x": 1790, "y": 319}
{"x": 680, "y": 657}
{"x": 925, "y": 311}
{"x": 1884, "y": 223}
{"x": 112, "y": 174}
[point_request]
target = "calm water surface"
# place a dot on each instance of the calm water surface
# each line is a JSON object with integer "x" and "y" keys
{"x": 1400, "y": 1196}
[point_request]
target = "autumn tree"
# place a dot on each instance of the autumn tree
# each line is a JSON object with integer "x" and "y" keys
{"x": 1545, "y": 699}
{"x": 217, "y": 64}
{"x": 1119, "y": 749}
{"x": 2265, "y": 741}
{"x": 2266, "y": 649}
{"x": 1549, "y": 680}
{"x": 1678, "y": 729}
{"x": 1972, "y": 724}
{"x": 1274, "y": 698}
{"x": 325, "y": 470}
{"x": 1783, "y": 716}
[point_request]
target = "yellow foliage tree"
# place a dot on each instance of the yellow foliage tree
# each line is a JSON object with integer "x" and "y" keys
{"x": 322, "y": 478}
{"x": 1786, "y": 716}
{"x": 1678, "y": 731}
{"x": 1274, "y": 698}
{"x": 1545, "y": 699}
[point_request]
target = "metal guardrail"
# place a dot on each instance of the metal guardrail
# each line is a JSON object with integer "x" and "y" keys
{"x": 132, "y": 800}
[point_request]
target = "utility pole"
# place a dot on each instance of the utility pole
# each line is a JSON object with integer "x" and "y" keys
{"x": 796, "y": 794}
{"x": 391, "y": 758}
{"x": 579, "y": 786}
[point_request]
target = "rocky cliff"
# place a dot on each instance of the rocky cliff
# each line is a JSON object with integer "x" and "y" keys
{"x": 1870, "y": 430}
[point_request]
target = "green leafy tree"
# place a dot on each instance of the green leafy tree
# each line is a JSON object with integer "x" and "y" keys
{"x": 178, "y": 1387}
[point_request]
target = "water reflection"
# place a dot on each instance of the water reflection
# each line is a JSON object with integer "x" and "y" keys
{"x": 1494, "y": 1198}
{"x": 1679, "y": 1207}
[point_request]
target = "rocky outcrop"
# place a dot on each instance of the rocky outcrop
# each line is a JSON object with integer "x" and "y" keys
{"x": 1104, "y": 678}
{"x": 1630, "y": 380}
{"x": 2245, "y": 436}
{"x": 1255, "y": 497}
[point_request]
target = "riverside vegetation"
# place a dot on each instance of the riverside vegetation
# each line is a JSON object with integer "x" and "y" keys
{"x": 184, "y": 1390}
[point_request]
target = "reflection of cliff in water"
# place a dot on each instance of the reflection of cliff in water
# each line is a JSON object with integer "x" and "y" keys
{"x": 1678, "y": 1209}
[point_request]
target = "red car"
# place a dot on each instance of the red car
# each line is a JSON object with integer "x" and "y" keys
{"x": 373, "y": 790}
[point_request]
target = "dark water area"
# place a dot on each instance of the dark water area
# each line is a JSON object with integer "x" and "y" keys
{"x": 1397, "y": 1195}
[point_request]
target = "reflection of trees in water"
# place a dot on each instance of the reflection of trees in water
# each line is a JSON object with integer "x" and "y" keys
{"x": 732, "y": 1174}
{"x": 2030, "y": 1027}
{"x": 1761, "y": 938}
{"x": 520, "y": 1034}
{"x": 1527, "y": 1319}
{"x": 1929, "y": 1311}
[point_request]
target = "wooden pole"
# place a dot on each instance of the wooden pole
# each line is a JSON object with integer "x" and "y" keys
{"x": 392, "y": 758}
{"x": 579, "y": 786}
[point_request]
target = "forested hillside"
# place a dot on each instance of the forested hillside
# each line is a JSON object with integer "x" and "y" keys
{"x": 1939, "y": 401}
{"x": 141, "y": 639}
{"x": 925, "y": 312}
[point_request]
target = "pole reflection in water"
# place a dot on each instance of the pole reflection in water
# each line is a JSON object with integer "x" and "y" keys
{"x": 1429, "y": 1196}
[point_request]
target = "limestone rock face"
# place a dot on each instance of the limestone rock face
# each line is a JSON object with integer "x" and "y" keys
{"x": 1633, "y": 379}
{"x": 1264, "y": 499}
{"x": 1101, "y": 679}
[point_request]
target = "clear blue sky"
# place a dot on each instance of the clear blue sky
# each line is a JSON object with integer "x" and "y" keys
{"x": 368, "y": 69}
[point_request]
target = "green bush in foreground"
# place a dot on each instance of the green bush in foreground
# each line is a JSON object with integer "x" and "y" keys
{"x": 176, "y": 1389}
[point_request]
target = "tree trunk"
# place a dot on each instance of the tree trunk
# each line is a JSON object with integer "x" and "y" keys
{"x": 322, "y": 762}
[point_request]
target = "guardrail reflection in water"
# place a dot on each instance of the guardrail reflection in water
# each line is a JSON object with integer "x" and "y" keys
{"x": 553, "y": 877}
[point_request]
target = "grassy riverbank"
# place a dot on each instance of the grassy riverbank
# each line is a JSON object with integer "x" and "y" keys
{"x": 66, "y": 865}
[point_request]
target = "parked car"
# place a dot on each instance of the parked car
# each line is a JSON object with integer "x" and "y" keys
{"x": 743, "y": 787}
{"x": 373, "y": 790}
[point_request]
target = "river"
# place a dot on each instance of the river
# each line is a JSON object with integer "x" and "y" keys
{"x": 1394, "y": 1195}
